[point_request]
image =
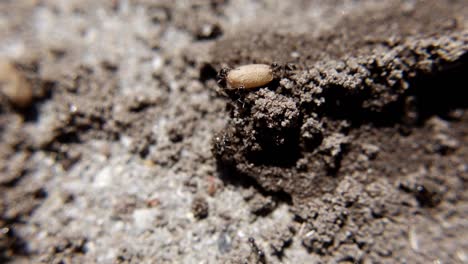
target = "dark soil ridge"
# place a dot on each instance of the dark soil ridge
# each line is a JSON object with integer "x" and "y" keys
{"x": 291, "y": 136}
{"x": 357, "y": 146}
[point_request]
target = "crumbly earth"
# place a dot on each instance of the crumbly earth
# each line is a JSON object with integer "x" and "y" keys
{"x": 130, "y": 151}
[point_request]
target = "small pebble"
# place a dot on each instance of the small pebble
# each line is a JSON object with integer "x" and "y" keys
{"x": 14, "y": 85}
{"x": 224, "y": 242}
{"x": 200, "y": 207}
{"x": 209, "y": 31}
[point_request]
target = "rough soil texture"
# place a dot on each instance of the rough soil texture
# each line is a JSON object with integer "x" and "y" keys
{"x": 130, "y": 152}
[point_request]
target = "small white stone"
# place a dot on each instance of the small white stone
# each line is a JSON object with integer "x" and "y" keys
{"x": 157, "y": 63}
{"x": 462, "y": 256}
{"x": 103, "y": 178}
{"x": 413, "y": 239}
{"x": 144, "y": 218}
{"x": 295, "y": 54}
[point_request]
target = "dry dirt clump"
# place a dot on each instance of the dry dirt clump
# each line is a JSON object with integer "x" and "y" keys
{"x": 292, "y": 136}
{"x": 324, "y": 136}
{"x": 338, "y": 137}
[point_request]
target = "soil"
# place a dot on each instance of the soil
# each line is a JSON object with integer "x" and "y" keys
{"x": 127, "y": 150}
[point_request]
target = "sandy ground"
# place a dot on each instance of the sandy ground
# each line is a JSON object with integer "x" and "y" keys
{"x": 118, "y": 145}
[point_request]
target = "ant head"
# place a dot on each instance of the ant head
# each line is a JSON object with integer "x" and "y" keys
{"x": 283, "y": 70}
{"x": 275, "y": 66}
{"x": 221, "y": 77}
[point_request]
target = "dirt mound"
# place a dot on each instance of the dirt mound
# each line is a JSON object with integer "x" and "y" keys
{"x": 124, "y": 149}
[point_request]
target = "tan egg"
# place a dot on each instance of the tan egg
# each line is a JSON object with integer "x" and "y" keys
{"x": 250, "y": 76}
{"x": 14, "y": 85}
